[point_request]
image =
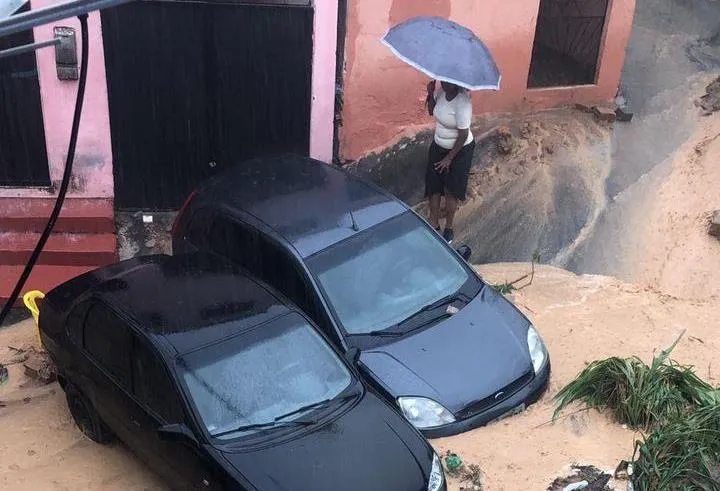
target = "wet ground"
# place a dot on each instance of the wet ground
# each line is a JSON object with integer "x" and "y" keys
{"x": 583, "y": 210}
{"x": 673, "y": 48}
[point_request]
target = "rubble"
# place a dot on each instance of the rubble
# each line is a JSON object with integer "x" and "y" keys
{"x": 604, "y": 113}
{"x": 714, "y": 229}
{"x": 710, "y": 102}
{"x": 505, "y": 141}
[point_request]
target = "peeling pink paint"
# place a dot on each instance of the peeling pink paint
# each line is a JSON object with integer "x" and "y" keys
{"x": 92, "y": 171}
{"x": 383, "y": 97}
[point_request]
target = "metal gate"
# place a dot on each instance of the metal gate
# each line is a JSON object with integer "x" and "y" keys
{"x": 23, "y": 155}
{"x": 196, "y": 87}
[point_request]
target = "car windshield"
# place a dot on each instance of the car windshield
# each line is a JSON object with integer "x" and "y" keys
{"x": 268, "y": 374}
{"x": 386, "y": 274}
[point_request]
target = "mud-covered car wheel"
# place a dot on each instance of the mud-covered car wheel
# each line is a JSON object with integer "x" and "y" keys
{"x": 86, "y": 418}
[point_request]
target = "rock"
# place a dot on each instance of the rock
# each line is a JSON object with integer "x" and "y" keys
{"x": 505, "y": 142}
{"x": 576, "y": 485}
{"x": 583, "y": 107}
{"x": 603, "y": 113}
{"x": 715, "y": 224}
{"x": 39, "y": 367}
{"x": 525, "y": 131}
{"x": 623, "y": 115}
{"x": 710, "y": 102}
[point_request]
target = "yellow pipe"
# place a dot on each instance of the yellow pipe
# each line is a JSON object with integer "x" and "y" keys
{"x": 30, "y": 300}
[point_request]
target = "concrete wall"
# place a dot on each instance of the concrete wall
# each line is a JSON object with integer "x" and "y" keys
{"x": 92, "y": 171}
{"x": 383, "y": 97}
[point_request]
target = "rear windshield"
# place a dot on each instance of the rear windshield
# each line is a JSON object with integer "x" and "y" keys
{"x": 261, "y": 375}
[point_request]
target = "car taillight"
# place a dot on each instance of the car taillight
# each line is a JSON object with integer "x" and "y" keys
{"x": 181, "y": 211}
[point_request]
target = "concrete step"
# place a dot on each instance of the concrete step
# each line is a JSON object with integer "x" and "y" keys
{"x": 78, "y": 215}
{"x": 44, "y": 277}
{"x": 60, "y": 249}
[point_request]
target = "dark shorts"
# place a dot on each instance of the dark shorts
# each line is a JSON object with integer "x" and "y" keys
{"x": 455, "y": 179}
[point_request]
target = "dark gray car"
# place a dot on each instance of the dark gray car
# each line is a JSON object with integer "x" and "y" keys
{"x": 424, "y": 328}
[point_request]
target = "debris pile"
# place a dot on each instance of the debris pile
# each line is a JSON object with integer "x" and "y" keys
{"x": 470, "y": 476}
{"x": 710, "y": 102}
{"x": 585, "y": 477}
{"x": 37, "y": 365}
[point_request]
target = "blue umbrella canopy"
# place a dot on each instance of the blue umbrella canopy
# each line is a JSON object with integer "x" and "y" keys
{"x": 445, "y": 51}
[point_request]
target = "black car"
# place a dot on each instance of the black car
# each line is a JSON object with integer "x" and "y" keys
{"x": 218, "y": 383}
{"x": 436, "y": 340}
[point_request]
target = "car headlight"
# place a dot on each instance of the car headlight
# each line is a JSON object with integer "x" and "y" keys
{"x": 436, "y": 475}
{"x": 424, "y": 413}
{"x": 538, "y": 352}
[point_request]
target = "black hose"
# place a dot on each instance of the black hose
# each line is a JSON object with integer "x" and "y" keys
{"x": 66, "y": 174}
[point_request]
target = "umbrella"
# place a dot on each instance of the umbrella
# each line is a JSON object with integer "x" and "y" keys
{"x": 445, "y": 51}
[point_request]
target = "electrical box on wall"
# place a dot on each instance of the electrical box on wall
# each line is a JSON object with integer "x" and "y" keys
{"x": 66, "y": 59}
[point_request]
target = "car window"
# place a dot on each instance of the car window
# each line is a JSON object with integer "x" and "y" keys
{"x": 266, "y": 260}
{"x": 76, "y": 319}
{"x": 197, "y": 227}
{"x": 383, "y": 275}
{"x": 236, "y": 242}
{"x": 270, "y": 373}
{"x": 152, "y": 384}
{"x": 281, "y": 271}
{"x": 107, "y": 339}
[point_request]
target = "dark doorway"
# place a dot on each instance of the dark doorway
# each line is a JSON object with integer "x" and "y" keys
{"x": 196, "y": 87}
{"x": 23, "y": 155}
{"x": 567, "y": 44}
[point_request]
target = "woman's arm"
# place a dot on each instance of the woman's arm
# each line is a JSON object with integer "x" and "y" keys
{"x": 463, "y": 119}
{"x": 444, "y": 164}
{"x": 430, "y": 99}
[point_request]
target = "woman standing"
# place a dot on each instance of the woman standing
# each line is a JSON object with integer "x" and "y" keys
{"x": 451, "y": 152}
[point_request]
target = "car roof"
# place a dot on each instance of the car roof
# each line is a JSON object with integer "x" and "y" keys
{"x": 310, "y": 204}
{"x": 189, "y": 300}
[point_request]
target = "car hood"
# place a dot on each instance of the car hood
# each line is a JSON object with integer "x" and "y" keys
{"x": 369, "y": 447}
{"x": 462, "y": 359}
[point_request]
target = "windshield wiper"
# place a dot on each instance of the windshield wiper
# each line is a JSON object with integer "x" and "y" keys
{"x": 315, "y": 405}
{"x": 380, "y": 334}
{"x": 437, "y": 304}
{"x": 265, "y": 425}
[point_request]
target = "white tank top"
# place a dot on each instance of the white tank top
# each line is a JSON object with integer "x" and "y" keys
{"x": 451, "y": 116}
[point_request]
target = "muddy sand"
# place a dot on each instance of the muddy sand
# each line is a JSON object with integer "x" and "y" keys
{"x": 582, "y": 318}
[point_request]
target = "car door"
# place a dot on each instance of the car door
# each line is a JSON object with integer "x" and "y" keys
{"x": 157, "y": 402}
{"x": 106, "y": 379}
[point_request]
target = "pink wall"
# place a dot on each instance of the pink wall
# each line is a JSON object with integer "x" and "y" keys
{"x": 322, "y": 112}
{"x": 92, "y": 170}
{"x": 383, "y": 98}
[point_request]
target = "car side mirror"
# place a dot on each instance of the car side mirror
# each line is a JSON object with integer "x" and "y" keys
{"x": 465, "y": 252}
{"x": 353, "y": 355}
{"x": 176, "y": 433}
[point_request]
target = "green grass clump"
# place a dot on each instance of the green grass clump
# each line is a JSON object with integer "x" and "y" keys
{"x": 679, "y": 413}
{"x": 504, "y": 288}
{"x": 638, "y": 395}
{"x": 681, "y": 455}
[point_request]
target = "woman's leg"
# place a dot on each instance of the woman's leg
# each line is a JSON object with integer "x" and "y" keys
{"x": 451, "y": 206}
{"x": 434, "y": 217}
{"x": 434, "y": 184}
{"x": 456, "y": 187}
